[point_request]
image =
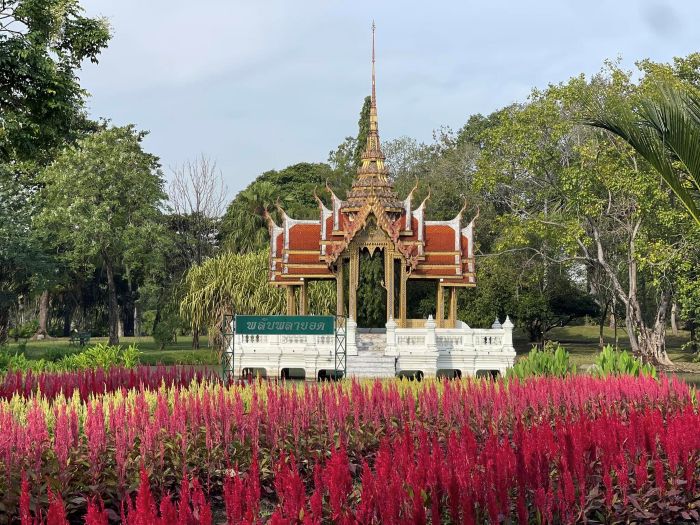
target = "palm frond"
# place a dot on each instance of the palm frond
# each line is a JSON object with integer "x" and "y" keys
{"x": 665, "y": 129}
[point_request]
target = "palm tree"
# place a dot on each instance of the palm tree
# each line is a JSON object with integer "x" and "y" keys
{"x": 665, "y": 130}
{"x": 238, "y": 283}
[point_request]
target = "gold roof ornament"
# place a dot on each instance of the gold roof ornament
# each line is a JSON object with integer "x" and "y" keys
{"x": 372, "y": 184}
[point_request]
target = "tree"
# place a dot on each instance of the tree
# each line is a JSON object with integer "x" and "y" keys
{"x": 243, "y": 227}
{"x": 21, "y": 256}
{"x": 587, "y": 199}
{"x": 197, "y": 195}
{"x": 232, "y": 283}
{"x": 362, "y": 131}
{"x": 102, "y": 202}
{"x": 42, "y": 44}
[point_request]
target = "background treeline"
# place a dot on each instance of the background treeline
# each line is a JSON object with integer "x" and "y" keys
{"x": 572, "y": 223}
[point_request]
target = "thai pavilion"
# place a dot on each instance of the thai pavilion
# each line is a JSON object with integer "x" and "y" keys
{"x": 374, "y": 218}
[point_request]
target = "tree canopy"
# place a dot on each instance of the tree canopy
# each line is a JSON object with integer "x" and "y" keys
{"x": 102, "y": 205}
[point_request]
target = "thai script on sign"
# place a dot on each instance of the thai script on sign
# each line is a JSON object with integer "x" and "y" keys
{"x": 285, "y": 324}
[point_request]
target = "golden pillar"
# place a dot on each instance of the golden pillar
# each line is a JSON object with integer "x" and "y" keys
{"x": 402, "y": 296}
{"x": 304, "y": 299}
{"x": 452, "y": 314}
{"x": 389, "y": 283}
{"x": 354, "y": 278}
{"x": 291, "y": 301}
{"x": 440, "y": 307}
{"x": 339, "y": 289}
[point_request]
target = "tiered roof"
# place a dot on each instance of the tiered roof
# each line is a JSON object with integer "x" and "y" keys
{"x": 309, "y": 249}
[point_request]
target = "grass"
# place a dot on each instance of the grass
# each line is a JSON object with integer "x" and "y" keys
{"x": 580, "y": 341}
{"x": 176, "y": 353}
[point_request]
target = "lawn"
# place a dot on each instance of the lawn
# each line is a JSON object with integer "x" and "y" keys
{"x": 580, "y": 341}
{"x": 176, "y": 353}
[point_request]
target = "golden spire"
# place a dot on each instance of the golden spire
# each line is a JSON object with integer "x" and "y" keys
{"x": 374, "y": 91}
{"x": 372, "y": 175}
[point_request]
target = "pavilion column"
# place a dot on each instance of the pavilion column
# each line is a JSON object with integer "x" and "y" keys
{"x": 452, "y": 314}
{"x": 402, "y": 296}
{"x": 440, "y": 306}
{"x": 339, "y": 289}
{"x": 389, "y": 283}
{"x": 304, "y": 299}
{"x": 291, "y": 301}
{"x": 354, "y": 277}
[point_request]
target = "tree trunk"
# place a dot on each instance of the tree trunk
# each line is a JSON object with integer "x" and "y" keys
{"x": 67, "y": 315}
{"x": 601, "y": 325}
{"x": 647, "y": 343}
{"x": 4, "y": 323}
{"x": 674, "y": 318}
{"x": 42, "y": 332}
{"x": 137, "y": 321}
{"x": 127, "y": 317}
{"x": 693, "y": 337}
{"x": 195, "y": 339}
{"x": 113, "y": 319}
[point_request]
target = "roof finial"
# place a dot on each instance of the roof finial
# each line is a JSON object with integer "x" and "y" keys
{"x": 374, "y": 93}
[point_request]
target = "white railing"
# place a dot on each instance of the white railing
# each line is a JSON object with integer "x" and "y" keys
{"x": 427, "y": 349}
{"x": 410, "y": 340}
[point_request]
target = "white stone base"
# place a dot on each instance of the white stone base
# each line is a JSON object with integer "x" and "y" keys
{"x": 381, "y": 354}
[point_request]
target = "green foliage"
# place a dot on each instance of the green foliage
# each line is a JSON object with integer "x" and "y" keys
{"x": 54, "y": 354}
{"x": 611, "y": 362}
{"x": 238, "y": 283}
{"x": 99, "y": 356}
{"x": 165, "y": 330}
{"x": 243, "y": 227}
{"x": 665, "y": 130}
{"x": 42, "y": 44}
{"x": 371, "y": 296}
{"x": 552, "y": 361}
{"x": 363, "y": 130}
{"x": 24, "y": 331}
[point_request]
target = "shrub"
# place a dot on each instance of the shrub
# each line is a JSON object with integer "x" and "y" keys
{"x": 553, "y": 360}
{"x": 611, "y": 362}
{"x": 164, "y": 332}
{"x": 24, "y": 331}
{"x": 101, "y": 356}
{"x": 54, "y": 354}
{"x": 98, "y": 356}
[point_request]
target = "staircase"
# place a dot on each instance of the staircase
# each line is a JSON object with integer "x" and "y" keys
{"x": 370, "y": 360}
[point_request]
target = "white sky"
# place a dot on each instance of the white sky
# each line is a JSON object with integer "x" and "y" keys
{"x": 262, "y": 84}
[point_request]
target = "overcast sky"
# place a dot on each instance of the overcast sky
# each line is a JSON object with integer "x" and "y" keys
{"x": 262, "y": 84}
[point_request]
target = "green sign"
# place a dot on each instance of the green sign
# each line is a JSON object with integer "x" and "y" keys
{"x": 285, "y": 324}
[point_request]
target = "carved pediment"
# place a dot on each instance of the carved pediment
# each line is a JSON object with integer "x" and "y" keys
{"x": 372, "y": 237}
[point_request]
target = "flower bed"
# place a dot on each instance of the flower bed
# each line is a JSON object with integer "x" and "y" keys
{"x": 553, "y": 450}
{"x": 90, "y": 382}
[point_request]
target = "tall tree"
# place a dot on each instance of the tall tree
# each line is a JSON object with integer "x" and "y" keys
{"x": 42, "y": 44}
{"x": 362, "y": 131}
{"x": 197, "y": 195}
{"x": 102, "y": 202}
{"x": 243, "y": 227}
{"x": 590, "y": 199}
